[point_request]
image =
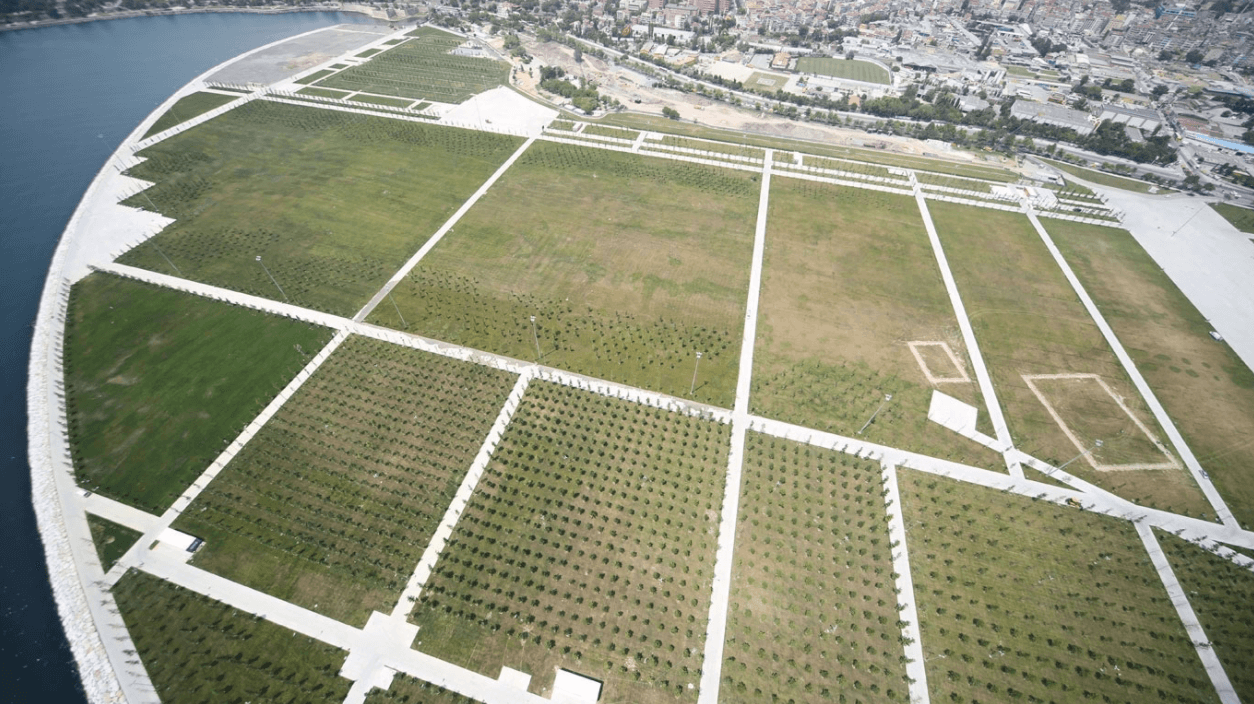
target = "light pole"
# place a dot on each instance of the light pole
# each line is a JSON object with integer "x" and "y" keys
{"x": 398, "y": 310}
{"x": 1073, "y": 459}
{"x": 276, "y": 283}
{"x": 887, "y": 398}
{"x": 693, "y": 386}
{"x": 167, "y": 259}
{"x": 535, "y": 337}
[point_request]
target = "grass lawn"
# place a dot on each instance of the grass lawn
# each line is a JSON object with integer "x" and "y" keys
{"x": 322, "y": 93}
{"x": 112, "y": 540}
{"x": 382, "y": 100}
{"x": 813, "y": 612}
{"x": 186, "y": 108}
{"x": 1104, "y": 179}
{"x": 1029, "y": 322}
{"x": 616, "y": 132}
{"x": 849, "y": 278}
{"x": 631, "y": 265}
{"x": 717, "y": 148}
{"x": 844, "y": 68}
{"x": 735, "y": 137}
{"x": 954, "y": 182}
{"x": 331, "y": 505}
{"x": 1241, "y": 218}
{"x": 370, "y": 52}
{"x": 158, "y": 381}
{"x": 408, "y": 690}
{"x": 424, "y": 68}
{"x": 1205, "y": 387}
{"x": 768, "y": 83}
{"x": 334, "y": 201}
{"x": 196, "y": 649}
{"x": 589, "y": 545}
{"x": 1022, "y": 599}
{"x": 1220, "y": 594}
{"x": 315, "y": 76}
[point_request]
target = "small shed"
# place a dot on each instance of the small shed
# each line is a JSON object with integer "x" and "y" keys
{"x": 571, "y": 688}
{"x": 180, "y": 540}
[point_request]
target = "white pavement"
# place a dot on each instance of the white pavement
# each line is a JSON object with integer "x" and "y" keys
{"x": 120, "y": 513}
{"x": 968, "y": 334}
{"x": 1160, "y": 413}
{"x": 1203, "y": 254}
{"x": 716, "y": 631}
{"x": 1214, "y": 669}
{"x": 916, "y": 668}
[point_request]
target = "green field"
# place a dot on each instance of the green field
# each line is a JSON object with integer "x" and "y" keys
{"x": 848, "y": 279}
{"x": 322, "y": 93}
{"x": 734, "y": 137}
{"x": 158, "y": 381}
{"x": 1220, "y": 593}
{"x": 813, "y": 613}
{"x": 424, "y": 68}
{"x": 186, "y": 108}
{"x": 315, "y": 76}
{"x": 616, "y": 132}
{"x": 954, "y": 182}
{"x": 111, "y": 539}
{"x": 1241, "y": 218}
{"x": 1104, "y": 179}
{"x": 407, "y": 690}
{"x": 766, "y": 82}
{"x": 630, "y": 265}
{"x": 197, "y": 650}
{"x": 1204, "y": 386}
{"x": 588, "y": 545}
{"x": 331, "y": 505}
{"x": 382, "y": 100}
{"x": 335, "y": 202}
{"x": 1028, "y": 321}
{"x": 716, "y": 148}
{"x": 368, "y": 53}
{"x": 851, "y": 69}
{"x": 1024, "y": 600}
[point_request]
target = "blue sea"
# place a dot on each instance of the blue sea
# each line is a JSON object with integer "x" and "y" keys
{"x": 70, "y": 95}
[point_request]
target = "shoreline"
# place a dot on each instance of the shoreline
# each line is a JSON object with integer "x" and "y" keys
{"x": 74, "y": 570}
{"x": 130, "y": 14}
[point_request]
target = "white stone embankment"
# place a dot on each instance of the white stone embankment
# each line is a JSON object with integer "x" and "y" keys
{"x": 73, "y": 567}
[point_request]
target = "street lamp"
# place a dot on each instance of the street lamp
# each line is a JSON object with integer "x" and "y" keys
{"x": 398, "y": 309}
{"x": 276, "y": 283}
{"x": 1073, "y": 459}
{"x": 693, "y": 386}
{"x": 535, "y": 337}
{"x": 887, "y": 398}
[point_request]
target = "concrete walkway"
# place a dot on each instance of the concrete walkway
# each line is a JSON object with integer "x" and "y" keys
{"x": 968, "y": 333}
{"x": 1160, "y": 413}
{"x": 1214, "y": 669}
{"x": 916, "y": 669}
{"x": 120, "y": 513}
{"x": 716, "y": 631}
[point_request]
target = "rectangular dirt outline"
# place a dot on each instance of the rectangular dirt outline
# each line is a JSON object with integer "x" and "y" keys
{"x": 1171, "y": 463}
{"x": 927, "y": 372}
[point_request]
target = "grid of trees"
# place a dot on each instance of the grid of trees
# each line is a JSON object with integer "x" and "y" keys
{"x": 813, "y": 614}
{"x": 588, "y": 545}
{"x": 331, "y": 505}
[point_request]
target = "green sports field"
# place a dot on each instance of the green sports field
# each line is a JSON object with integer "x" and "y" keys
{"x": 844, "y": 68}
